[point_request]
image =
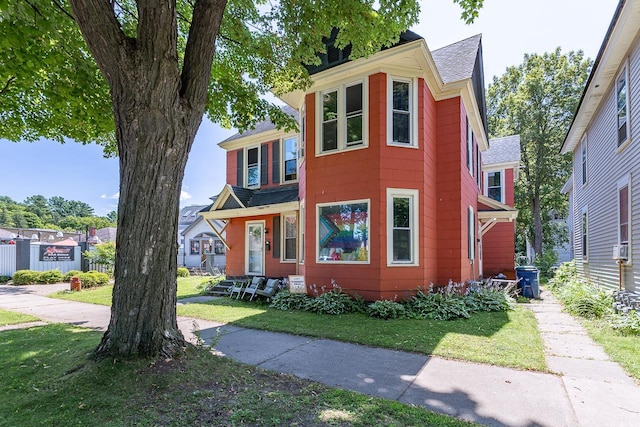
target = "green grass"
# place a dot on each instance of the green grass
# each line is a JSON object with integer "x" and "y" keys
{"x": 622, "y": 349}
{"x": 13, "y": 318}
{"x": 187, "y": 287}
{"x": 499, "y": 338}
{"x": 47, "y": 379}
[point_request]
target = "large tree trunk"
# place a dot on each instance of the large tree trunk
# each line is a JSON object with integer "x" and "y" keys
{"x": 158, "y": 109}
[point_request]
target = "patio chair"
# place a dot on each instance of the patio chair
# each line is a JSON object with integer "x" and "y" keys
{"x": 256, "y": 283}
{"x": 237, "y": 288}
{"x": 270, "y": 289}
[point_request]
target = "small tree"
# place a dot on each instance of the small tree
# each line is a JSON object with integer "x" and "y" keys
{"x": 103, "y": 254}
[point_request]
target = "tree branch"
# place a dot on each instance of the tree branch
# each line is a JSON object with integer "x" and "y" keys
{"x": 200, "y": 49}
{"x": 6, "y": 86}
{"x": 104, "y": 37}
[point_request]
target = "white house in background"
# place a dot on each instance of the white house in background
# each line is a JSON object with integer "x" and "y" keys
{"x": 199, "y": 240}
{"x": 605, "y": 141}
{"x": 186, "y": 217}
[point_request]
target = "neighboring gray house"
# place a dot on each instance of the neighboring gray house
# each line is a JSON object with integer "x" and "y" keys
{"x": 198, "y": 240}
{"x": 605, "y": 141}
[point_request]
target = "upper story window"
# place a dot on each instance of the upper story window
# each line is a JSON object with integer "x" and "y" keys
{"x": 303, "y": 131}
{"x": 253, "y": 167}
{"x": 622, "y": 105}
{"x": 469, "y": 147}
{"x": 342, "y": 118}
{"x": 401, "y": 116}
{"x": 494, "y": 183}
{"x": 290, "y": 159}
{"x": 583, "y": 150}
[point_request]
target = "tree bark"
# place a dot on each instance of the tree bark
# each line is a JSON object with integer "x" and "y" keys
{"x": 157, "y": 109}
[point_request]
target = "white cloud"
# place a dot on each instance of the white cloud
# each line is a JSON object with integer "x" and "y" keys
{"x": 113, "y": 196}
{"x": 184, "y": 195}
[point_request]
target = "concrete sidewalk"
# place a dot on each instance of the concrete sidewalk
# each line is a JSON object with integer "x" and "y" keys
{"x": 590, "y": 390}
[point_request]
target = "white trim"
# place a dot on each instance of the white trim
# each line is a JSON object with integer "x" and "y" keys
{"x": 317, "y": 240}
{"x": 413, "y": 111}
{"x": 246, "y": 247}
{"x": 413, "y": 196}
{"x": 341, "y": 120}
{"x": 625, "y": 181}
{"x": 584, "y": 160}
{"x": 472, "y": 225}
{"x": 246, "y": 166}
{"x": 584, "y": 237}
{"x": 469, "y": 147}
{"x": 253, "y": 211}
{"x": 624, "y": 71}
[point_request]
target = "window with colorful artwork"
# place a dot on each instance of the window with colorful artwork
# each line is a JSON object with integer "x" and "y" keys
{"x": 343, "y": 232}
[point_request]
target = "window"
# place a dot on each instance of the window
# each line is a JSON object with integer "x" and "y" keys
{"x": 585, "y": 235}
{"x": 469, "y": 147}
{"x": 478, "y": 167}
{"x": 218, "y": 247}
{"x": 342, "y": 122}
{"x": 303, "y": 130}
{"x": 343, "y": 232}
{"x": 402, "y": 227}
{"x": 401, "y": 115}
{"x": 584, "y": 159}
{"x": 289, "y": 237}
{"x": 623, "y": 211}
{"x": 494, "y": 185}
{"x": 622, "y": 105}
{"x": 253, "y": 167}
{"x": 194, "y": 246}
{"x": 290, "y": 159}
{"x": 471, "y": 238}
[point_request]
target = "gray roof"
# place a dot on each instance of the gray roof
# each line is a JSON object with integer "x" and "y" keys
{"x": 264, "y": 125}
{"x": 456, "y": 61}
{"x": 267, "y": 196}
{"x": 502, "y": 150}
{"x": 188, "y": 214}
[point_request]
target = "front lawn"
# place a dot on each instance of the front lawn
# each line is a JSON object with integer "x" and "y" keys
{"x": 13, "y": 318}
{"x": 622, "y": 349}
{"x": 508, "y": 339}
{"x": 47, "y": 379}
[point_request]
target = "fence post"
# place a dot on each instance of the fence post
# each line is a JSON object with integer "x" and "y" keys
{"x": 23, "y": 255}
{"x": 84, "y": 263}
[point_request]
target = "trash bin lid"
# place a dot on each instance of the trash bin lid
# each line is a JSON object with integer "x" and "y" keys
{"x": 527, "y": 268}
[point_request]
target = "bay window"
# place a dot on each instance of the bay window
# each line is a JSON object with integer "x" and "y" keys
{"x": 342, "y": 118}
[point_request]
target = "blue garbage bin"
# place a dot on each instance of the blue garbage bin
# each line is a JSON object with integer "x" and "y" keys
{"x": 528, "y": 284}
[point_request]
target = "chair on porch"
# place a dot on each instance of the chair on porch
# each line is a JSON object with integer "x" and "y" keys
{"x": 237, "y": 288}
{"x": 256, "y": 283}
{"x": 270, "y": 289}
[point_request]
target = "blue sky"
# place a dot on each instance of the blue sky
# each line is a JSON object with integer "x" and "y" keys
{"x": 510, "y": 28}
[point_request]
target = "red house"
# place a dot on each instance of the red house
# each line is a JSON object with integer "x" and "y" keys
{"x": 381, "y": 190}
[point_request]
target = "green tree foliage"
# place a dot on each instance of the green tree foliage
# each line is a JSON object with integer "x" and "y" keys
{"x": 103, "y": 254}
{"x": 537, "y": 100}
{"x": 164, "y": 65}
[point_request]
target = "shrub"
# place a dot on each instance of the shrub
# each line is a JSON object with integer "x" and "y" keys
{"x": 92, "y": 279}
{"x": 26, "y": 277}
{"x": 585, "y": 300}
{"x": 564, "y": 274}
{"x": 487, "y": 299}
{"x": 625, "y": 324}
{"x": 50, "y": 276}
{"x": 183, "y": 272}
{"x": 285, "y": 300}
{"x": 333, "y": 302}
{"x": 4, "y": 279}
{"x": 441, "y": 305}
{"x": 69, "y": 274}
{"x": 386, "y": 309}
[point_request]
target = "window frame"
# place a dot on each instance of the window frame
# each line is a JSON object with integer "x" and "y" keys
{"x": 319, "y": 206}
{"x": 413, "y": 112}
{"x": 584, "y": 157}
{"x": 502, "y": 184}
{"x": 414, "y": 225}
{"x": 248, "y": 225}
{"x": 471, "y": 233}
{"x": 342, "y": 119}
{"x": 584, "y": 234}
{"x": 284, "y": 238}
{"x": 283, "y": 160}
{"x": 246, "y": 166}
{"x": 624, "y": 73}
{"x": 624, "y": 182}
{"x": 469, "y": 147}
{"x": 198, "y": 243}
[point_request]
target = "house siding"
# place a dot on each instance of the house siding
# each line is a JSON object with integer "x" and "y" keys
{"x": 498, "y": 243}
{"x": 606, "y": 166}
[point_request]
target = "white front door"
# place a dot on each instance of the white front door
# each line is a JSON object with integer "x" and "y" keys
{"x": 254, "y": 265}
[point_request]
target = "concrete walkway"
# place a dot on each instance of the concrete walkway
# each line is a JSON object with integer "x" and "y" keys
{"x": 589, "y": 390}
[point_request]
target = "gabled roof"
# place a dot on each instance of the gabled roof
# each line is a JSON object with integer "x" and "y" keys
{"x": 456, "y": 61}
{"x": 263, "y": 126}
{"x": 502, "y": 150}
{"x": 623, "y": 30}
{"x": 235, "y": 202}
